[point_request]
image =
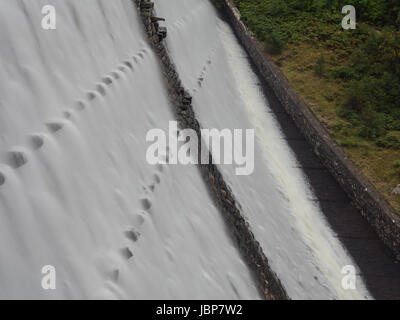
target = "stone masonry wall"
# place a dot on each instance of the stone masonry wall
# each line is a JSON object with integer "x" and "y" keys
{"x": 268, "y": 283}
{"x": 371, "y": 204}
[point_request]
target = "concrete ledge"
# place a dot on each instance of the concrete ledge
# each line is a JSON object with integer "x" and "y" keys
{"x": 371, "y": 204}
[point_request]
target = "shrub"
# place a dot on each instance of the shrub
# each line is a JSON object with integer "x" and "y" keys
{"x": 389, "y": 141}
{"x": 274, "y": 43}
{"x": 343, "y": 72}
{"x": 319, "y": 67}
{"x": 350, "y": 143}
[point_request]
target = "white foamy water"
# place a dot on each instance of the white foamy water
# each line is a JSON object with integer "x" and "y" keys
{"x": 75, "y": 106}
{"x": 77, "y": 193}
{"x": 276, "y": 198}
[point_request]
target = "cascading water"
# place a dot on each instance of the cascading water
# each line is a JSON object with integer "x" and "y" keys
{"x": 276, "y": 198}
{"x": 77, "y": 193}
{"x": 76, "y": 104}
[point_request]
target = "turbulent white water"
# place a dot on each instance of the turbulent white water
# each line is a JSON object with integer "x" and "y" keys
{"x": 276, "y": 198}
{"x": 78, "y": 194}
{"x": 84, "y": 186}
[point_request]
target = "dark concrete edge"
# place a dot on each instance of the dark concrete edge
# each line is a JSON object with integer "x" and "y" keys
{"x": 372, "y": 205}
{"x": 267, "y": 281}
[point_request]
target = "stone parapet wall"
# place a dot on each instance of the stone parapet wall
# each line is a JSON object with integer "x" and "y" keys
{"x": 369, "y": 201}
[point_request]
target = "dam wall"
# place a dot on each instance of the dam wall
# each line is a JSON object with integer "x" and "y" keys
{"x": 373, "y": 207}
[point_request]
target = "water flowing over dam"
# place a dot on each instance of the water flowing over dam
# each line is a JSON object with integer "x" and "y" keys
{"x": 77, "y": 193}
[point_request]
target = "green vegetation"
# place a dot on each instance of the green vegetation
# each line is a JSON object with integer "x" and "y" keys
{"x": 350, "y": 78}
{"x": 319, "y": 67}
{"x": 368, "y": 60}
